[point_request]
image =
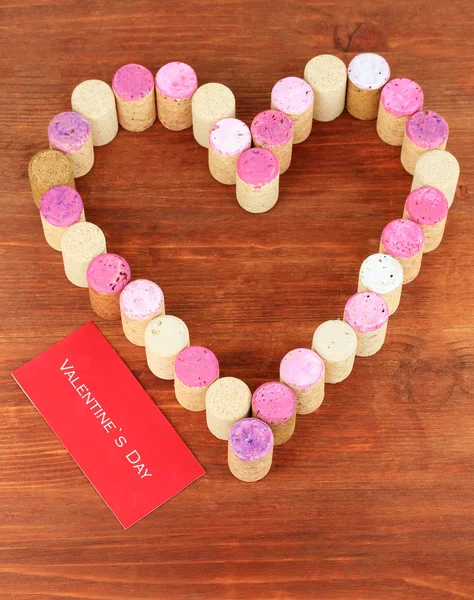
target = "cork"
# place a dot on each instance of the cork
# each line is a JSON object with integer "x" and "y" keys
{"x": 438, "y": 169}
{"x": 107, "y": 275}
{"x": 140, "y": 302}
{"x": 60, "y": 207}
{"x": 335, "y": 342}
{"x": 275, "y": 404}
{"x": 303, "y": 371}
{"x": 257, "y": 184}
{"x": 382, "y": 274}
{"x": 294, "y": 97}
{"x": 426, "y": 130}
{"x": 273, "y": 130}
{"x": 327, "y": 76}
{"x": 367, "y": 314}
{"x": 428, "y": 208}
{"x": 175, "y": 85}
{"x": 367, "y": 74}
{"x": 165, "y": 337}
{"x": 70, "y": 133}
{"x": 95, "y": 100}
{"x": 228, "y": 138}
{"x": 47, "y": 169}
{"x": 211, "y": 102}
{"x": 134, "y": 89}
{"x": 195, "y": 369}
{"x": 250, "y": 450}
{"x": 81, "y": 243}
{"x": 404, "y": 240}
{"x": 400, "y": 99}
{"x": 228, "y": 400}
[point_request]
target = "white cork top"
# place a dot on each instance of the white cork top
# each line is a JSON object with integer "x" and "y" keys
{"x": 438, "y": 167}
{"x": 334, "y": 341}
{"x": 92, "y": 98}
{"x": 368, "y": 71}
{"x": 213, "y": 101}
{"x": 325, "y": 72}
{"x": 83, "y": 240}
{"x": 228, "y": 398}
{"x": 381, "y": 273}
{"x": 166, "y": 336}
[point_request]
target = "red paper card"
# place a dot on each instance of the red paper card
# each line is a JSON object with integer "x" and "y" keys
{"x": 111, "y": 427}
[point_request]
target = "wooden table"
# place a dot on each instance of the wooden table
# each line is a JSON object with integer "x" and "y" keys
{"x": 373, "y": 498}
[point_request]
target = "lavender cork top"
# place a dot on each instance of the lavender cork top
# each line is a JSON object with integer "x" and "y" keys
{"x": 133, "y": 82}
{"x": 141, "y": 299}
{"x": 176, "y": 80}
{"x": 196, "y": 366}
{"x": 271, "y": 129}
{"x": 274, "y": 402}
{"x": 368, "y": 71}
{"x": 402, "y": 97}
{"x": 301, "y": 368}
{"x": 402, "y": 238}
{"x": 230, "y": 137}
{"x": 108, "y": 273}
{"x": 61, "y": 206}
{"x": 251, "y": 439}
{"x": 68, "y": 132}
{"x": 366, "y": 312}
{"x": 427, "y": 129}
{"x": 292, "y": 95}
{"x": 426, "y": 205}
{"x": 257, "y": 167}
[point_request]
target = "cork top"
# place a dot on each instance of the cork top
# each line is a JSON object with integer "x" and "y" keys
{"x": 94, "y": 95}
{"x": 257, "y": 167}
{"x": 439, "y": 167}
{"x": 196, "y": 366}
{"x": 381, "y": 273}
{"x": 292, "y": 95}
{"x": 402, "y": 238}
{"x": 166, "y": 336}
{"x": 228, "y": 398}
{"x": 402, "y": 97}
{"x": 84, "y": 240}
{"x": 213, "y": 101}
{"x": 133, "y": 82}
{"x": 426, "y": 205}
{"x": 301, "y": 368}
{"x": 251, "y": 439}
{"x": 366, "y": 312}
{"x": 274, "y": 402}
{"x": 68, "y": 132}
{"x": 272, "y": 129}
{"x": 427, "y": 129}
{"x": 108, "y": 273}
{"x": 335, "y": 341}
{"x": 229, "y": 137}
{"x": 368, "y": 71}
{"x": 141, "y": 299}
{"x": 61, "y": 206}
{"x": 176, "y": 80}
{"x": 325, "y": 72}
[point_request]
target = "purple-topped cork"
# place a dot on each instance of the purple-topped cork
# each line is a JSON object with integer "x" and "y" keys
{"x": 428, "y": 208}
{"x": 70, "y": 133}
{"x": 195, "y": 369}
{"x": 107, "y": 275}
{"x": 367, "y": 313}
{"x": 275, "y": 403}
{"x": 257, "y": 180}
{"x": 176, "y": 80}
{"x": 302, "y": 370}
{"x": 295, "y": 97}
{"x": 427, "y": 129}
{"x": 140, "y": 302}
{"x": 402, "y": 97}
{"x": 250, "y": 449}
{"x": 61, "y": 206}
{"x": 134, "y": 89}
{"x": 273, "y": 130}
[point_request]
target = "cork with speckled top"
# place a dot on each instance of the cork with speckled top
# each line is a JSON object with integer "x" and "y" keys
{"x": 107, "y": 275}
{"x": 228, "y": 400}
{"x": 134, "y": 89}
{"x": 438, "y": 169}
{"x": 80, "y": 244}
{"x": 210, "y": 103}
{"x": 48, "y": 169}
{"x": 250, "y": 450}
{"x": 367, "y": 313}
{"x": 367, "y": 74}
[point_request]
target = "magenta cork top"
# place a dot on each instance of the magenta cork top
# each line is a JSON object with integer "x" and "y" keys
{"x": 133, "y": 82}
{"x": 230, "y": 137}
{"x": 251, "y": 439}
{"x": 427, "y": 129}
{"x": 176, "y": 80}
{"x": 68, "y": 132}
{"x": 108, "y": 273}
{"x": 274, "y": 402}
{"x": 426, "y": 205}
{"x": 402, "y": 238}
{"x": 301, "y": 368}
{"x": 141, "y": 299}
{"x": 196, "y": 366}
{"x": 402, "y": 97}
{"x": 61, "y": 206}
{"x": 366, "y": 312}
{"x": 271, "y": 129}
{"x": 292, "y": 95}
{"x": 257, "y": 167}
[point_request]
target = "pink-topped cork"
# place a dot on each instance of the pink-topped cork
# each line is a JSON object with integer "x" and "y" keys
{"x": 196, "y": 366}
{"x": 69, "y": 132}
{"x": 292, "y": 95}
{"x": 426, "y": 205}
{"x": 251, "y": 439}
{"x": 108, "y": 273}
{"x": 61, "y": 206}
{"x": 257, "y": 167}
{"x": 427, "y": 129}
{"x": 302, "y": 368}
{"x": 402, "y": 238}
{"x": 402, "y": 97}
{"x": 176, "y": 80}
{"x": 141, "y": 299}
{"x": 132, "y": 82}
{"x": 274, "y": 402}
{"x": 230, "y": 137}
{"x": 271, "y": 129}
{"x": 366, "y": 312}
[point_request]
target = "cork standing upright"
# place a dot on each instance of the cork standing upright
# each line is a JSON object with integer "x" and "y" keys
{"x": 428, "y": 208}
{"x": 48, "y": 169}
{"x": 438, "y": 169}
{"x": 250, "y": 450}
{"x": 95, "y": 100}
{"x": 426, "y": 130}
{"x": 335, "y": 342}
{"x": 367, "y": 313}
{"x": 165, "y": 337}
{"x": 382, "y": 274}
{"x": 80, "y": 244}
{"x": 257, "y": 184}
{"x": 294, "y": 97}
{"x": 400, "y": 99}
{"x": 71, "y": 133}
{"x": 175, "y": 85}
{"x": 275, "y": 403}
{"x": 367, "y": 74}
{"x": 228, "y": 400}
{"x": 140, "y": 302}
{"x": 107, "y": 275}
{"x": 228, "y": 138}
{"x": 404, "y": 240}
{"x": 211, "y": 102}
{"x": 134, "y": 89}
{"x": 327, "y": 76}
{"x": 273, "y": 131}
{"x": 195, "y": 369}
{"x": 60, "y": 207}
{"x": 303, "y": 371}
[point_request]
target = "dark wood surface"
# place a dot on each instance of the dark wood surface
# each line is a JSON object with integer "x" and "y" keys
{"x": 373, "y": 498}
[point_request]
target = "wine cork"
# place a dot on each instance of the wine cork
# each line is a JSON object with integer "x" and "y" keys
{"x": 400, "y": 99}
{"x": 228, "y": 138}
{"x": 60, "y": 207}
{"x": 211, "y": 102}
{"x": 134, "y": 89}
{"x": 48, "y": 169}
{"x": 195, "y": 369}
{"x": 165, "y": 337}
{"x": 227, "y": 401}
{"x": 107, "y": 275}
{"x": 425, "y": 130}
{"x": 275, "y": 403}
{"x": 428, "y": 208}
{"x": 382, "y": 274}
{"x": 140, "y": 302}
{"x": 250, "y": 450}
{"x": 303, "y": 371}
{"x": 81, "y": 243}
{"x": 438, "y": 169}
{"x": 175, "y": 85}
{"x": 257, "y": 180}
{"x": 294, "y": 97}
{"x": 273, "y": 130}
{"x": 70, "y": 133}
{"x": 367, "y": 74}
{"x": 336, "y": 343}
{"x": 404, "y": 240}
{"x": 327, "y": 76}
{"x": 367, "y": 314}
{"x": 95, "y": 100}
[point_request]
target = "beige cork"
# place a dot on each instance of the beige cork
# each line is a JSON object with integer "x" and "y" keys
{"x": 257, "y": 199}
{"x": 411, "y": 266}
{"x": 137, "y": 115}
{"x": 391, "y": 128}
{"x": 107, "y": 306}
{"x": 283, "y": 154}
{"x": 433, "y": 233}
{"x": 411, "y": 153}
{"x": 165, "y": 337}
{"x": 174, "y": 114}
{"x": 95, "y": 100}
{"x": 369, "y": 343}
{"x": 80, "y": 244}
{"x": 227, "y": 401}
{"x": 54, "y": 234}
{"x": 191, "y": 398}
{"x": 362, "y": 104}
{"x": 83, "y": 159}
{"x": 335, "y": 341}
{"x": 211, "y": 103}
{"x": 249, "y": 471}
{"x": 48, "y": 169}
{"x": 327, "y": 76}
{"x": 302, "y": 123}
{"x": 250, "y": 450}
{"x": 438, "y": 169}
{"x": 382, "y": 274}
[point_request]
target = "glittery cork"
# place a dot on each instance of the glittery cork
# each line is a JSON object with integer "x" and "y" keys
{"x": 428, "y": 208}
{"x": 134, "y": 89}
{"x": 140, "y": 302}
{"x": 382, "y": 274}
{"x": 250, "y": 450}
{"x": 327, "y": 76}
{"x": 175, "y": 85}
{"x": 107, "y": 275}
{"x": 165, "y": 337}
{"x": 228, "y": 400}
{"x": 336, "y": 343}
{"x": 438, "y": 169}
{"x": 367, "y": 74}
{"x": 294, "y": 97}
{"x": 195, "y": 369}
{"x": 367, "y": 313}
{"x": 211, "y": 102}
{"x": 70, "y": 133}
{"x": 275, "y": 403}
{"x": 47, "y": 169}
{"x": 228, "y": 138}
{"x": 60, "y": 207}
{"x": 80, "y": 244}
{"x": 404, "y": 240}
{"x": 426, "y": 130}
{"x": 273, "y": 130}
{"x": 95, "y": 100}
{"x": 303, "y": 371}
{"x": 400, "y": 99}
{"x": 257, "y": 184}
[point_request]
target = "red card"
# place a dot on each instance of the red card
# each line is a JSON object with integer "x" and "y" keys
{"x": 111, "y": 427}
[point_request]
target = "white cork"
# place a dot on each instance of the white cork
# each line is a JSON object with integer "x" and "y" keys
{"x": 367, "y": 74}
{"x": 382, "y": 274}
{"x": 165, "y": 337}
{"x": 438, "y": 169}
{"x": 95, "y": 100}
{"x": 81, "y": 243}
{"x": 327, "y": 76}
{"x": 210, "y": 103}
{"x": 227, "y": 401}
{"x": 336, "y": 342}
